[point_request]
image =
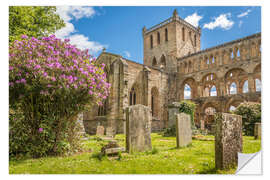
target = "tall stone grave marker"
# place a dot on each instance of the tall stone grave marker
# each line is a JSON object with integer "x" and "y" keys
{"x": 138, "y": 128}
{"x": 109, "y": 132}
{"x": 100, "y": 131}
{"x": 257, "y": 131}
{"x": 202, "y": 125}
{"x": 228, "y": 139}
{"x": 183, "y": 130}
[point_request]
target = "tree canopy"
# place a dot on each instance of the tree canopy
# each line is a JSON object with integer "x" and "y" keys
{"x": 33, "y": 21}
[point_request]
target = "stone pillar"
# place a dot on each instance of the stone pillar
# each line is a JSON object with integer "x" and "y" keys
{"x": 138, "y": 128}
{"x": 202, "y": 125}
{"x": 80, "y": 124}
{"x": 257, "y": 131}
{"x": 173, "y": 110}
{"x": 183, "y": 130}
{"x": 251, "y": 84}
{"x": 228, "y": 140}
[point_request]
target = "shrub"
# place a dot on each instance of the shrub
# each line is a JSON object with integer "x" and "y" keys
{"x": 251, "y": 113}
{"x": 187, "y": 107}
{"x": 50, "y": 82}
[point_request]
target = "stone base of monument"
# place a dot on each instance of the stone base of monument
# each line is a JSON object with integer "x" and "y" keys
{"x": 112, "y": 148}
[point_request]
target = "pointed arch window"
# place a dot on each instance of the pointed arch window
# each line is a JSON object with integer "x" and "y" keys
{"x": 187, "y": 92}
{"x": 154, "y": 62}
{"x": 245, "y": 87}
{"x": 151, "y": 41}
{"x": 258, "y": 85}
{"x": 132, "y": 97}
{"x": 183, "y": 34}
{"x": 158, "y": 38}
{"x": 166, "y": 34}
{"x": 213, "y": 91}
{"x": 195, "y": 40}
{"x": 233, "y": 88}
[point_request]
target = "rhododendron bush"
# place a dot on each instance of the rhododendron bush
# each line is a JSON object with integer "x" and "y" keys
{"x": 50, "y": 81}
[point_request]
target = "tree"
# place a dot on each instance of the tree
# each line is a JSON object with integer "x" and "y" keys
{"x": 50, "y": 81}
{"x": 33, "y": 21}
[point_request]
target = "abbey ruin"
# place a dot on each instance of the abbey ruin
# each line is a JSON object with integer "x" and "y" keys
{"x": 175, "y": 68}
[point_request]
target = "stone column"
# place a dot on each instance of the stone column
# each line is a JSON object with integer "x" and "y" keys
{"x": 138, "y": 128}
{"x": 228, "y": 140}
{"x": 251, "y": 84}
{"x": 173, "y": 110}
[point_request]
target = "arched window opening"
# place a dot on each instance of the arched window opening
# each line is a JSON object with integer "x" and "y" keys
{"x": 245, "y": 87}
{"x": 132, "y": 97}
{"x": 213, "y": 91}
{"x": 211, "y": 76}
{"x": 187, "y": 92}
{"x": 232, "y": 108}
{"x": 151, "y": 41}
{"x": 233, "y": 88}
{"x": 232, "y": 56}
{"x": 183, "y": 34}
{"x": 154, "y": 62}
{"x": 102, "y": 109}
{"x": 195, "y": 40}
{"x": 163, "y": 61}
{"x": 155, "y": 102}
{"x": 258, "y": 85}
{"x": 213, "y": 60}
{"x": 158, "y": 38}
{"x": 166, "y": 34}
{"x": 208, "y": 62}
{"x": 238, "y": 53}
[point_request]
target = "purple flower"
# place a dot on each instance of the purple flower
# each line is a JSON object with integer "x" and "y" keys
{"x": 24, "y": 36}
{"x": 23, "y": 81}
{"x": 40, "y": 129}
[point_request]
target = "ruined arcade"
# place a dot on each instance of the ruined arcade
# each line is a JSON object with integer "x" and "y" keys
{"x": 175, "y": 68}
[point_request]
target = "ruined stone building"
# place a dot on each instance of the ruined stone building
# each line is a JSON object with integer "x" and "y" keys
{"x": 217, "y": 79}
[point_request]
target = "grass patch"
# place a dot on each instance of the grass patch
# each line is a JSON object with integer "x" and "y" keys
{"x": 164, "y": 158}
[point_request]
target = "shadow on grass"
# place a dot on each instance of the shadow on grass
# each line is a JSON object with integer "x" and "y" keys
{"x": 208, "y": 171}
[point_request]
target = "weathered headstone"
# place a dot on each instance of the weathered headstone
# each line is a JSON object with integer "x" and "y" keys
{"x": 257, "y": 131}
{"x": 112, "y": 148}
{"x": 100, "y": 131}
{"x": 138, "y": 128}
{"x": 228, "y": 140}
{"x": 183, "y": 130}
{"x": 202, "y": 125}
{"x": 173, "y": 110}
{"x": 109, "y": 132}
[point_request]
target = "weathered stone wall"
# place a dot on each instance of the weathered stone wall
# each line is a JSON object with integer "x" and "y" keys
{"x": 236, "y": 62}
{"x": 228, "y": 140}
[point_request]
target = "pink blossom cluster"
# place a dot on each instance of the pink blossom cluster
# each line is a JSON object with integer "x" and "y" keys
{"x": 55, "y": 64}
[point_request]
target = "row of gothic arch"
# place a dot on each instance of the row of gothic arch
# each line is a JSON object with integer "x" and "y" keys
{"x": 161, "y": 62}
{"x": 236, "y": 81}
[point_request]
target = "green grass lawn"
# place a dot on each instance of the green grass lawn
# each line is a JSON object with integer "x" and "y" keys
{"x": 199, "y": 158}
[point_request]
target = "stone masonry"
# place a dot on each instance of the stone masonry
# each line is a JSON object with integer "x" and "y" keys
{"x": 228, "y": 140}
{"x": 138, "y": 128}
{"x": 257, "y": 131}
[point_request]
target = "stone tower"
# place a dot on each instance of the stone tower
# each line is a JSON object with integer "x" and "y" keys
{"x": 168, "y": 40}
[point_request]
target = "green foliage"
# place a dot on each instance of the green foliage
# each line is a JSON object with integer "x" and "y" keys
{"x": 251, "y": 113}
{"x": 36, "y": 21}
{"x": 188, "y": 107}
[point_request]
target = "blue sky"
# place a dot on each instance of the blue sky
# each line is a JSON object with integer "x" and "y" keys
{"x": 119, "y": 29}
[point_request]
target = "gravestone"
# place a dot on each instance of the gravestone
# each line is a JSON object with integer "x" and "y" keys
{"x": 257, "y": 131}
{"x": 138, "y": 128}
{"x": 183, "y": 130}
{"x": 228, "y": 140}
{"x": 173, "y": 109}
{"x": 100, "y": 131}
{"x": 109, "y": 132}
{"x": 202, "y": 125}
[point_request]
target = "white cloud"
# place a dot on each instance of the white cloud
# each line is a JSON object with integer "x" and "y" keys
{"x": 194, "y": 19}
{"x": 68, "y": 13}
{"x": 222, "y": 21}
{"x": 244, "y": 14}
{"x": 82, "y": 42}
{"x": 127, "y": 54}
{"x": 187, "y": 92}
